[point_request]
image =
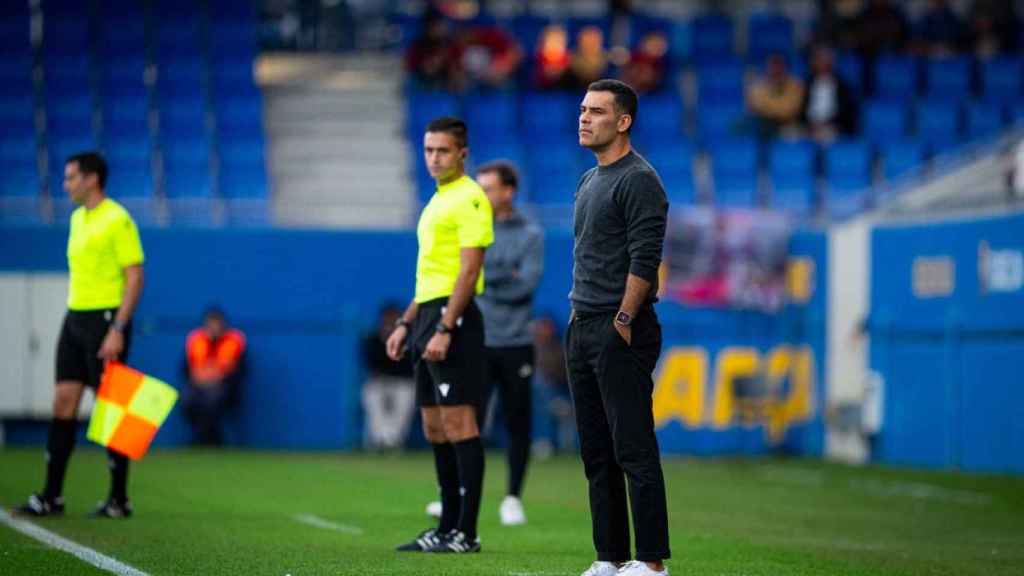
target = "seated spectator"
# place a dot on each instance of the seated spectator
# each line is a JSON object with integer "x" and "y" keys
{"x": 881, "y": 28}
{"x": 837, "y": 24}
{"x": 940, "y": 32}
{"x": 428, "y": 58}
{"x": 774, "y": 99}
{"x": 589, "y": 62}
{"x": 388, "y": 394}
{"x": 645, "y": 70}
{"x": 484, "y": 57}
{"x": 829, "y": 108}
{"x": 551, "y": 62}
{"x": 992, "y": 27}
{"x": 215, "y": 367}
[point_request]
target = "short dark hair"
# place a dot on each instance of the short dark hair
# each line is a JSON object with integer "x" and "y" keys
{"x": 90, "y": 163}
{"x": 626, "y": 99}
{"x": 506, "y": 172}
{"x": 453, "y": 126}
{"x": 214, "y": 312}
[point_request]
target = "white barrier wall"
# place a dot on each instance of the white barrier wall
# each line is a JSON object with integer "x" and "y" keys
{"x": 32, "y": 307}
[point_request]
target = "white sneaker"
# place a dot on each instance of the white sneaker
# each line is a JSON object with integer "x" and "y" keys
{"x": 601, "y": 569}
{"x": 637, "y": 568}
{"x": 434, "y": 509}
{"x": 511, "y": 511}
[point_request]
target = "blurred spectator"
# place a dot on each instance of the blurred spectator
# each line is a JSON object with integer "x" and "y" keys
{"x": 940, "y": 31}
{"x": 428, "y": 59}
{"x": 388, "y": 394}
{"x": 556, "y": 425}
{"x": 589, "y": 61}
{"x": 829, "y": 107}
{"x": 775, "y": 99}
{"x": 881, "y": 28}
{"x": 993, "y": 27}
{"x": 645, "y": 71}
{"x": 838, "y": 22}
{"x": 551, "y": 62}
{"x": 484, "y": 57}
{"x": 215, "y": 367}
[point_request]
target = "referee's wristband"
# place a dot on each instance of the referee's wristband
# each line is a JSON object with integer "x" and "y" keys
{"x": 400, "y": 323}
{"x": 118, "y": 326}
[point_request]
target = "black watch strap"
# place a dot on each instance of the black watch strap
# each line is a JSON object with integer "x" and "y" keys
{"x": 442, "y": 328}
{"x": 401, "y": 322}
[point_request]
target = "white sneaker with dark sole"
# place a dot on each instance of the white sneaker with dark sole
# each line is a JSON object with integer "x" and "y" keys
{"x": 601, "y": 569}
{"x": 434, "y": 509}
{"x": 511, "y": 511}
{"x": 637, "y": 568}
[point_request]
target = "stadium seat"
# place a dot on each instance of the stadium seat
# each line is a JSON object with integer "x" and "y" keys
{"x": 17, "y": 110}
{"x": 720, "y": 82}
{"x": 848, "y": 168}
{"x": 850, "y": 68}
{"x": 247, "y": 212}
{"x": 424, "y": 107}
{"x": 181, "y": 77}
{"x": 901, "y": 158}
{"x": 661, "y": 118}
{"x": 713, "y": 36}
{"x": 20, "y": 181}
{"x": 15, "y": 70}
{"x": 250, "y": 182}
{"x": 547, "y": 113}
{"x": 69, "y": 116}
{"x": 234, "y": 40}
{"x": 896, "y": 77}
{"x": 553, "y": 173}
{"x": 183, "y": 116}
{"x": 1001, "y": 79}
{"x": 734, "y": 169}
{"x": 674, "y": 162}
{"x": 984, "y": 120}
{"x": 15, "y": 34}
{"x": 948, "y": 78}
{"x": 67, "y": 73}
{"x": 122, "y": 36}
{"x": 126, "y": 116}
{"x": 791, "y": 166}
{"x": 178, "y": 38}
{"x": 237, "y": 12}
{"x": 187, "y": 181}
{"x": 938, "y": 124}
{"x": 717, "y": 121}
{"x": 885, "y": 119}
{"x": 768, "y": 33}
{"x": 507, "y": 149}
{"x": 490, "y": 112}
{"x": 66, "y": 36}
{"x": 130, "y": 181}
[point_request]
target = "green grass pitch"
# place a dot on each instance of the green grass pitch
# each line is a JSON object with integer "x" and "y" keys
{"x": 234, "y": 513}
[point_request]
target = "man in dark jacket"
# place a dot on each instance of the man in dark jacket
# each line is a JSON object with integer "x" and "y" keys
{"x": 829, "y": 108}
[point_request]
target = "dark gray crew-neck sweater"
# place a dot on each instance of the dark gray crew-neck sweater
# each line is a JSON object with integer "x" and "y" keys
{"x": 619, "y": 220}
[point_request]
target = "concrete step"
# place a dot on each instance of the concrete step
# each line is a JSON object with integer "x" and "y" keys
{"x": 342, "y": 216}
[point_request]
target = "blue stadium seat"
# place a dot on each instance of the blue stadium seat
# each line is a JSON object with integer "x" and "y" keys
{"x": 15, "y": 70}
{"x": 233, "y": 11}
{"x": 507, "y": 149}
{"x": 896, "y": 77}
{"x": 126, "y": 116}
{"x": 490, "y": 112}
{"x": 1001, "y": 79}
{"x": 768, "y": 33}
{"x": 249, "y": 181}
{"x": 674, "y": 162}
{"x": 240, "y": 116}
{"x": 734, "y": 169}
{"x": 181, "y": 77}
{"x": 122, "y": 36}
{"x": 17, "y": 151}
{"x": 900, "y": 158}
{"x": 717, "y": 121}
{"x": 424, "y": 107}
{"x": 938, "y": 124}
{"x": 17, "y": 110}
{"x": 234, "y": 40}
{"x": 248, "y": 212}
{"x": 713, "y": 36}
{"x": 123, "y": 76}
{"x": 661, "y": 118}
{"x": 850, "y": 68}
{"x": 720, "y": 82}
{"x": 241, "y": 152}
{"x": 130, "y": 181}
{"x": 526, "y": 27}
{"x": 67, "y": 73}
{"x": 848, "y": 169}
{"x": 233, "y": 78}
{"x": 791, "y": 166}
{"x": 64, "y": 8}
{"x": 984, "y": 120}
{"x": 184, "y": 180}
{"x": 67, "y": 35}
{"x": 948, "y": 78}
{"x": 68, "y": 115}
{"x": 885, "y": 120}
{"x": 183, "y": 116}
{"x": 553, "y": 173}
{"x": 178, "y": 38}
{"x": 547, "y": 113}
{"x": 15, "y": 34}
{"x": 20, "y": 181}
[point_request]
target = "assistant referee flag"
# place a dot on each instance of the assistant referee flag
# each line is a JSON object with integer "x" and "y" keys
{"x": 130, "y": 407}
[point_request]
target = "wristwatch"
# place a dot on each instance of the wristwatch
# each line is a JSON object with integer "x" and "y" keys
{"x": 401, "y": 322}
{"x": 118, "y": 326}
{"x": 623, "y": 319}
{"x": 441, "y": 328}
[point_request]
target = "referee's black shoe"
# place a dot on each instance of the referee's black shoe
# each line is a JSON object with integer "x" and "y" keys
{"x": 426, "y": 540}
{"x": 40, "y": 506}
{"x": 112, "y": 509}
{"x": 455, "y": 542}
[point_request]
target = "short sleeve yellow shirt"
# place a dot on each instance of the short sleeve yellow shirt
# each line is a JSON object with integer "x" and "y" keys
{"x": 102, "y": 243}
{"x": 458, "y": 216}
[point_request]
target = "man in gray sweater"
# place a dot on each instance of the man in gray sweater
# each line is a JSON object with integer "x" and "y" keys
{"x": 614, "y": 338}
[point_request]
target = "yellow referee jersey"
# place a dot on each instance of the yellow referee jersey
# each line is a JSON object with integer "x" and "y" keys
{"x": 102, "y": 242}
{"x": 457, "y": 216}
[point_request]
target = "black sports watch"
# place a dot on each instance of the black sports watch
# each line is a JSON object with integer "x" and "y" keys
{"x": 400, "y": 322}
{"x": 623, "y": 319}
{"x": 441, "y": 328}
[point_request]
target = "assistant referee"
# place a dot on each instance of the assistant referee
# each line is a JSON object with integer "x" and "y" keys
{"x": 105, "y": 265}
{"x": 614, "y": 338}
{"x": 445, "y": 334}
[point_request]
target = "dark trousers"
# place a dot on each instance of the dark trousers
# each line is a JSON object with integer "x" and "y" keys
{"x": 611, "y": 387}
{"x": 510, "y": 369}
{"x": 204, "y": 407}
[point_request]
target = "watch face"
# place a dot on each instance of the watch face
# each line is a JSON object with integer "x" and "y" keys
{"x": 623, "y": 318}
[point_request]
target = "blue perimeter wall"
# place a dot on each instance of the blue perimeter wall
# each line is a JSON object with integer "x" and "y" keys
{"x": 953, "y": 364}
{"x": 304, "y": 298}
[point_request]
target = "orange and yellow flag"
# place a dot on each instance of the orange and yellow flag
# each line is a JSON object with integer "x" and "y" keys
{"x": 130, "y": 407}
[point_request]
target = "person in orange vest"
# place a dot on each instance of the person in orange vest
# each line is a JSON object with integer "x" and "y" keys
{"x": 214, "y": 365}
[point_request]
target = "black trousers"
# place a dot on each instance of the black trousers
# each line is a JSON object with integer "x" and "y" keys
{"x": 611, "y": 388}
{"x": 510, "y": 369}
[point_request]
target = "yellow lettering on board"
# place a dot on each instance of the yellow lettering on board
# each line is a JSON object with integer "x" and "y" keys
{"x": 679, "y": 390}
{"x": 797, "y": 405}
{"x": 732, "y": 363}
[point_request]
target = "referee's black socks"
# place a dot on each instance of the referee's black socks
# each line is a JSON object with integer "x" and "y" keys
{"x": 448, "y": 478}
{"x": 58, "y": 451}
{"x": 118, "y": 476}
{"x": 470, "y": 455}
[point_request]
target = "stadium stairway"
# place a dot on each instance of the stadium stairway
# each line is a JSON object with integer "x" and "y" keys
{"x": 337, "y": 155}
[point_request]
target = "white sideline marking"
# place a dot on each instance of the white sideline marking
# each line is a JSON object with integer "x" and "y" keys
{"x": 318, "y": 522}
{"x": 83, "y": 553}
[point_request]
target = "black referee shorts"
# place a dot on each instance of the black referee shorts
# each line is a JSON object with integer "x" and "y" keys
{"x": 80, "y": 339}
{"x": 460, "y": 378}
